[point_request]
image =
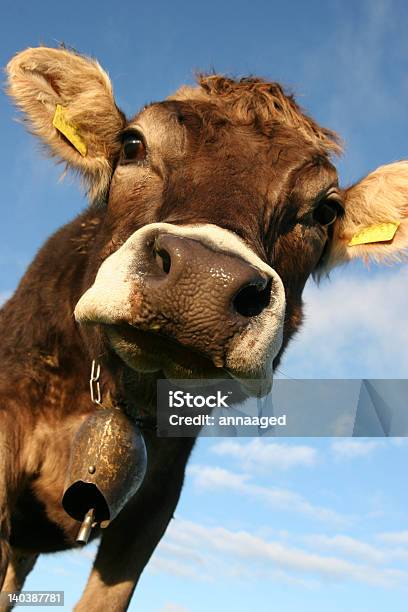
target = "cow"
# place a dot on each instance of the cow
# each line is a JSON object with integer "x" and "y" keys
{"x": 208, "y": 212}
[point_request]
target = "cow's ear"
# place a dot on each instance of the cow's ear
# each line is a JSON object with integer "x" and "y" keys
{"x": 68, "y": 103}
{"x": 375, "y": 222}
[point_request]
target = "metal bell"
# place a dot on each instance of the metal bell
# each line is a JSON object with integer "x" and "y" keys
{"x": 107, "y": 466}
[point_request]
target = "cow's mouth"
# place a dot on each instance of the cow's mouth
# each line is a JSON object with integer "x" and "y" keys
{"x": 148, "y": 351}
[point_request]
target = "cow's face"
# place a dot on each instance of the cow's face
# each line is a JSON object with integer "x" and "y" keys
{"x": 218, "y": 227}
{"x": 218, "y": 205}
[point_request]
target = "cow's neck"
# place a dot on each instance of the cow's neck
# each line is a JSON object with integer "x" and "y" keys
{"x": 44, "y": 357}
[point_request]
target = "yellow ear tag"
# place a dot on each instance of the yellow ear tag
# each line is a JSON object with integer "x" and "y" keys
{"x": 69, "y": 130}
{"x": 383, "y": 232}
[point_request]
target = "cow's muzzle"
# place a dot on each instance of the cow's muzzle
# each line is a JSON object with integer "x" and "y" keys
{"x": 199, "y": 286}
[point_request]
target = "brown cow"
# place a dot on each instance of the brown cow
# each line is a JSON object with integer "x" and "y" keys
{"x": 208, "y": 213}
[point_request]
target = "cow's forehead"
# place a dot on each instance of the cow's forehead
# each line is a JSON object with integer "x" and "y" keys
{"x": 203, "y": 116}
{"x": 167, "y": 125}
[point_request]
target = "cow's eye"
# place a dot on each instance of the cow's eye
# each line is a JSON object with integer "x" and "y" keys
{"x": 326, "y": 212}
{"x": 133, "y": 148}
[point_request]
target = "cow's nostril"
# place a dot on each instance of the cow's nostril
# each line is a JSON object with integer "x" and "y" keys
{"x": 251, "y": 300}
{"x": 163, "y": 260}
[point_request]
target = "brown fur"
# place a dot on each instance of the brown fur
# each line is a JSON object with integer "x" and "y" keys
{"x": 238, "y": 154}
{"x": 255, "y": 102}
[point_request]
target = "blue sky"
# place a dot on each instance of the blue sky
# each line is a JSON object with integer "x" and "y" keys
{"x": 305, "y": 524}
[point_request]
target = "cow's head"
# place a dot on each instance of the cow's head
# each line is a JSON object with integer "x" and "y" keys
{"x": 218, "y": 204}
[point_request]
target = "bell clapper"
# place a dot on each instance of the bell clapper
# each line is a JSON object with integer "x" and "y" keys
{"x": 87, "y": 524}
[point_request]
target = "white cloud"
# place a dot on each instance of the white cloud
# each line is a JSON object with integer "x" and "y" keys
{"x": 394, "y": 537}
{"x": 241, "y": 554}
{"x": 355, "y": 327}
{"x": 355, "y": 548}
{"x": 264, "y": 455}
{"x": 173, "y": 607}
{"x": 172, "y": 550}
{"x": 347, "y": 545}
{"x": 175, "y": 568}
{"x": 350, "y": 448}
{"x": 213, "y": 478}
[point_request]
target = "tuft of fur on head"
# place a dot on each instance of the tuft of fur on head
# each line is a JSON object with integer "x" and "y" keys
{"x": 260, "y": 103}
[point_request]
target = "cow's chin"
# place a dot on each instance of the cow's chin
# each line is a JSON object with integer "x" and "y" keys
{"x": 146, "y": 351}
